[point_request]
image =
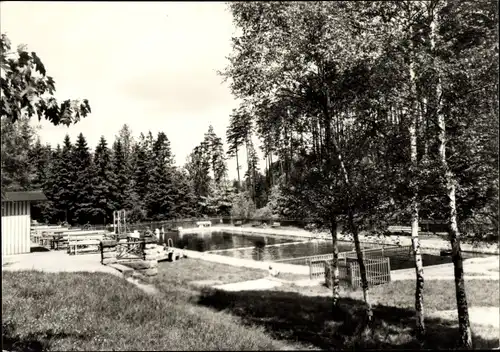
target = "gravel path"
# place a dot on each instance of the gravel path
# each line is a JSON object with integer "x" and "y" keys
{"x": 60, "y": 261}
{"x": 250, "y": 285}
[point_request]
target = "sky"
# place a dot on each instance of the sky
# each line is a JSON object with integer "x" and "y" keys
{"x": 150, "y": 65}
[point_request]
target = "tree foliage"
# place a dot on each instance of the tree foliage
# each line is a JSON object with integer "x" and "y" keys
{"x": 27, "y": 90}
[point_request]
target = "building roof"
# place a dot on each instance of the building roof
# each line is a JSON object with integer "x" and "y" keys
{"x": 23, "y": 196}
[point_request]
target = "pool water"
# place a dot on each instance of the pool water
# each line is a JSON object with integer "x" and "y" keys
{"x": 287, "y": 250}
{"x": 427, "y": 260}
{"x": 253, "y": 246}
{"x": 217, "y": 240}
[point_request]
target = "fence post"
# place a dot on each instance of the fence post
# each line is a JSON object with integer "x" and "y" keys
{"x": 310, "y": 269}
{"x": 389, "y": 268}
{"x": 350, "y": 274}
{"x": 108, "y": 252}
{"x": 328, "y": 274}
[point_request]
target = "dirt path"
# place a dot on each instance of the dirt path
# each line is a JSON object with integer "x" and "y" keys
{"x": 475, "y": 268}
{"x": 477, "y": 315}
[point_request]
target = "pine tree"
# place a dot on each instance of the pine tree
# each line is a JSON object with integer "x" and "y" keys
{"x": 103, "y": 188}
{"x": 40, "y": 158}
{"x": 54, "y": 211}
{"x": 141, "y": 174}
{"x": 198, "y": 167}
{"x": 121, "y": 180}
{"x": 64, "y": 180}
{"x": 185, "y": 204}
{"x": 160, "y": 195}
{"x": 85, "y": 178}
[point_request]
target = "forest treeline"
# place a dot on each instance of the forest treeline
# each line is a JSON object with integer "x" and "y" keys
{"x": 85, "y": 185}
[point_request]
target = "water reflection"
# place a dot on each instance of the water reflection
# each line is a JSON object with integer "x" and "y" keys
{"x": 286, "y": 250}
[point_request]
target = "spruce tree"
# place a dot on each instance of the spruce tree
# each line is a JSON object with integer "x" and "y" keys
{"x": 103, "y": 188}
{"x": 40, "y": 159}
{"x": 141, "y": 176}
{"x": 160, "y": 196}
{"x": 53, "y": 213}
{"x": 63, "y": 178}
{"x": 120, "y": 178}
{"x": 85, "y": 178}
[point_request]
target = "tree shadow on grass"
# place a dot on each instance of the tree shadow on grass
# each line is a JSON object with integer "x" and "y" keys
{"x": 311, "y": 320}
{"x": 39, "y": 341}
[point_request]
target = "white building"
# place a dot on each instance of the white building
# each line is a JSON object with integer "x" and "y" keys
{"x": 16, "y": 220}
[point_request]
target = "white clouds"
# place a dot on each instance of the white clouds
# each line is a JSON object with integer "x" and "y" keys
{"x": 150, "y": 65}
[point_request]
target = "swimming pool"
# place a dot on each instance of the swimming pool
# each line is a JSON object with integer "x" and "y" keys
{"x": 253, "y": 246}
{"x": 271, "y": 248}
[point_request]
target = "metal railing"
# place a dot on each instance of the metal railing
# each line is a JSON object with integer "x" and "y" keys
{"x": 378, "y": 271}
{"x": 371, "y": 255}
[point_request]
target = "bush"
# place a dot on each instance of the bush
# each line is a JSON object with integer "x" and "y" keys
{"x": 263, "y": 213}
{"x": 243, "y": 206}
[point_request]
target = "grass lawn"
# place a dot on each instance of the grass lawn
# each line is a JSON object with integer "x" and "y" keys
{"x": 101, "y": 312}
{"x": 97, "y": 311}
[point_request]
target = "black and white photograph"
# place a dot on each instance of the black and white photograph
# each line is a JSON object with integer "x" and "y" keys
{"x": 250, "y": 175}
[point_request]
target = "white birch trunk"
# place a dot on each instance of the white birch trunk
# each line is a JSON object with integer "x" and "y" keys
{"x": 465, "y": 333}
{"x": 419, "y": 267}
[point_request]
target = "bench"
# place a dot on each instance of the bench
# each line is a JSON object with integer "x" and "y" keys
{"x": 90, "y": 244}
{"x": 203, "y": 223}
{"x": 399, "y": 228}
{"x": 83, "y": 233}
{"x": 38, "y": 234}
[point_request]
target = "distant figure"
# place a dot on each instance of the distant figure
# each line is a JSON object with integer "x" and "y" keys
{"x": 273, "y": 272}
{"x": 157, "y": 233}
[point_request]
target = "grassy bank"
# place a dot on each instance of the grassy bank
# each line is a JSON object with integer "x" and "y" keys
{"x": 95, "y": 311}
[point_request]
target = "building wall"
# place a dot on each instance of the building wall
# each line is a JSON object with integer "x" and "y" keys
{"x": 16, "y": 222}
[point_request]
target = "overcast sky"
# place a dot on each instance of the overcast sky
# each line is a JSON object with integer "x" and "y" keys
{"x": 149, "y": 65}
